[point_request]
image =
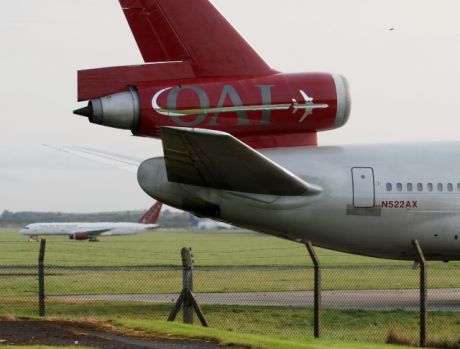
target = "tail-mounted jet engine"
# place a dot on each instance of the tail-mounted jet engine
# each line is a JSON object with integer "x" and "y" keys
{"x": 274, "y": 110}
{"x": 201, "y": 73}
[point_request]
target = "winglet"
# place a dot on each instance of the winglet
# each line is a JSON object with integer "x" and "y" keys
{"x": 152, "y": 214}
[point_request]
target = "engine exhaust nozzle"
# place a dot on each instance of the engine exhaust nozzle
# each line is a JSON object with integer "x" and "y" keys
{"x": 120, "y": 110}
{"x": 85, "y": 111}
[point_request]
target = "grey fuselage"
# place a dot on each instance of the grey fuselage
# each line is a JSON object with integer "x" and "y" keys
{"x": 375, "y": 199}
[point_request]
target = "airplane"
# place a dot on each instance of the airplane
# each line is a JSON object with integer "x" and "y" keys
{"x": 239, "y": 142}
{"x": 206, "y": 223}
{"x": 91, "y": 231}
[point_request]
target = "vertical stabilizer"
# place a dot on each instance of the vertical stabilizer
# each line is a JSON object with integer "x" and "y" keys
{"x": 152, "y": 214}
{"x": 193, "y": 31}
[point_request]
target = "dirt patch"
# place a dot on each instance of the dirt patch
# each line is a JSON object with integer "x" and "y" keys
{"x": 89, "y": 334}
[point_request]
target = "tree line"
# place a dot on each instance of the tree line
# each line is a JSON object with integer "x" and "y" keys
{"x": 167, "y": 219}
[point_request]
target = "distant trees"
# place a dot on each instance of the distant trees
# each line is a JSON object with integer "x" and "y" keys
{"x": 168, "y": 219}
{"x": 177, "y": 219}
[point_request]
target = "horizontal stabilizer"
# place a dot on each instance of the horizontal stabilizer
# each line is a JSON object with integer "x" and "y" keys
{"x": 99, "y": 82}
{"x": 218, "y": 160}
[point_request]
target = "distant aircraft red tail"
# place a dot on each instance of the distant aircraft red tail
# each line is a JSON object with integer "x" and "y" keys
{"x": 166, "y": 31}
{"x": 152, "y": 214}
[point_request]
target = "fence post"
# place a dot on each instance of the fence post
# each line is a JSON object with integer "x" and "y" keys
{"x": 317, "y": 290}
{"x": 423, "y": 292}
{"x": 186, "y": 297}
{"x": 41, "y": 278}
{"x": 187, "y": 279}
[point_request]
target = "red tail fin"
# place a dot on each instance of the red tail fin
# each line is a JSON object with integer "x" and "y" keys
{"x": 152, "y": 214}
{"x": 191, "y": 30}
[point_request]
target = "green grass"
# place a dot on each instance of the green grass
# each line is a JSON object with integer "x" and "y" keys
{"x": 18, "y": 282}
{"x": 246, "y": 340}
{"x": 18, "y": 287}
{"x": 39, "y": 347}
{"x": 292, "y": 322}
{"x": 230, "y": 339}
{"x": 162, "y": 247}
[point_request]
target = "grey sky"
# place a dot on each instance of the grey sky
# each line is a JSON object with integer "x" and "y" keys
{"x": 404, "y": 83}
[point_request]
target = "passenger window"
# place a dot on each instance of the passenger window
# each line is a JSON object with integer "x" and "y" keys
{"x": 440, "y": 188}
{"x": 409, "y": 186}
{"x": 429, "y": 186}
{"x": 419, "y": 186}
{"x": 389, "y": 187}
{"x": 458, "y": 186}
{"x": 399, "y": 186}
{"x": 450, "y": 187}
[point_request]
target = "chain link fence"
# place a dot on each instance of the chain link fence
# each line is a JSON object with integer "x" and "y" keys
{"x": 375, "y": 303}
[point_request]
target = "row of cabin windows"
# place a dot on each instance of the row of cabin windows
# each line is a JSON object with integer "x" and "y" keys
{"x": 420, "y": 187}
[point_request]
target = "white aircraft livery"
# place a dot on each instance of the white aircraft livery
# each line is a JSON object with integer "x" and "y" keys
{"x": 91, "y": 231}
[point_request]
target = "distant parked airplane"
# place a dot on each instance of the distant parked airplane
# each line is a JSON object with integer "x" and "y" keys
{"x": 91, "y": 231}
{"x": 206, "y": 223}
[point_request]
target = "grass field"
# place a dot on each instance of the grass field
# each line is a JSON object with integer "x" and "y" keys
{"x": 18, "y": 287}
{"x": 245, "y": 340}
{"x": 215, "y": 248}
{"x": 38, "y": 347}
{"x": 229, "y": 339}
{"x": 162, "y": 247}
{"x": 292, "y": 322}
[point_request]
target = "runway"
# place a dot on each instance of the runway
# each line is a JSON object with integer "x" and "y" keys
{"x": 438, "y": 299}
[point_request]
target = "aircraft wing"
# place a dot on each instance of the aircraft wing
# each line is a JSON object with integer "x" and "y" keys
{"x": 95, "y": 232}
{"x": 218, "y": 160}
{"x": 126, "y": 163}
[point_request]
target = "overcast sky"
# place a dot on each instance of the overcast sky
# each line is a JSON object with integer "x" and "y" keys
{"x": 404, "y": 83}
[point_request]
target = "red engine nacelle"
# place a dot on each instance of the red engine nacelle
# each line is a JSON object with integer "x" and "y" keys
{"x": 273, "y": 110}
{"x": 79, "y": 236}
